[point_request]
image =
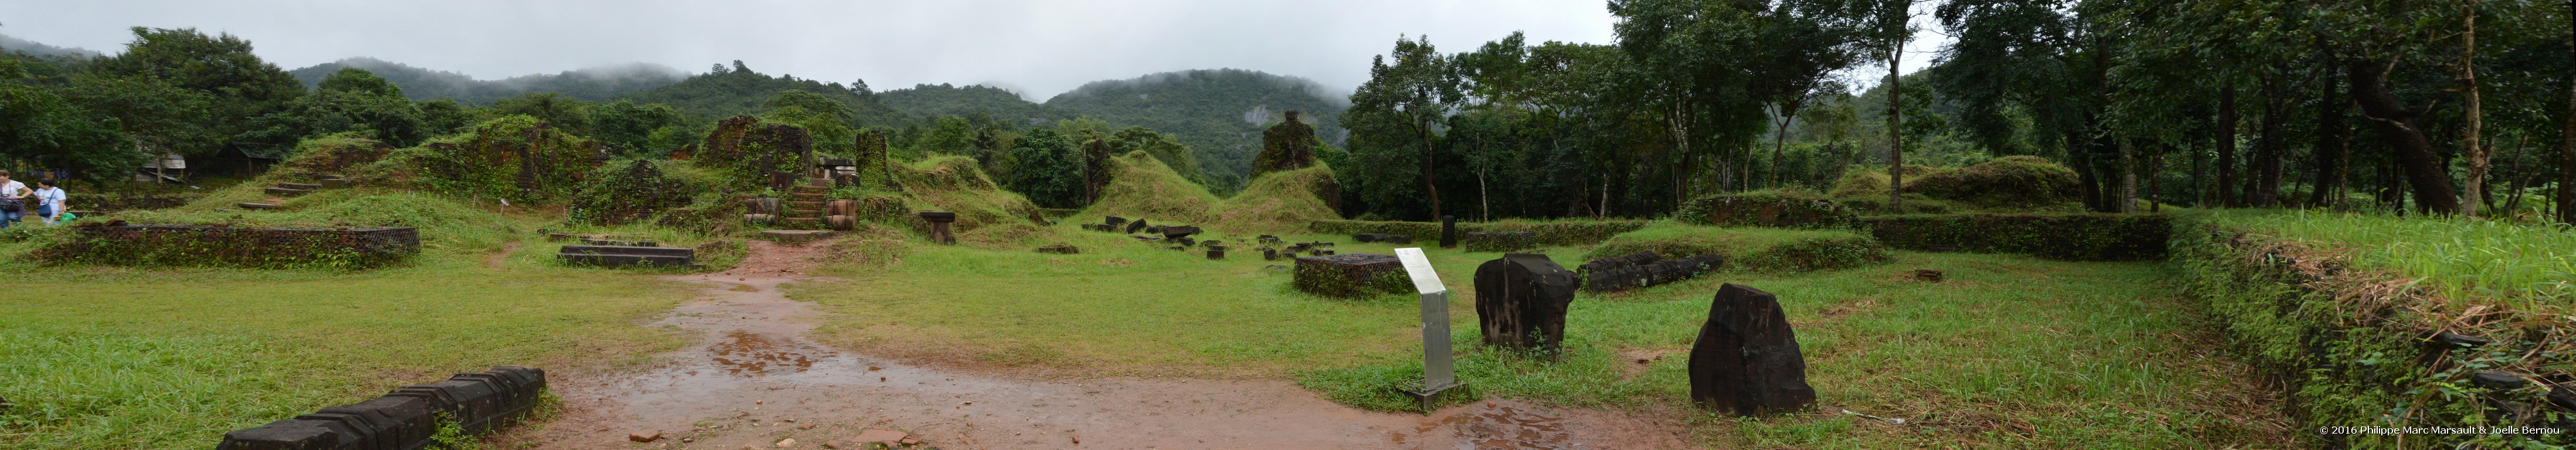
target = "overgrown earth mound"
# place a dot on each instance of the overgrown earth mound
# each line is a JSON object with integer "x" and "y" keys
{"x": 1278, "y": 202}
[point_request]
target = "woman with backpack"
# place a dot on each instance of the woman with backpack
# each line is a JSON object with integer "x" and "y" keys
{"x": 49, "y": 199}
{"x": 13, "y": 204}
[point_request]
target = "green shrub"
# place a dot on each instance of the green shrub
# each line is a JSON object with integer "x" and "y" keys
{"x": 1872, "y": 182}
{"x": 1320, "y": 279}
{"x": 1784, "y": 208}
{"x": 2072, "y": 237}
{"x": 2007, "y": 182}
{"x": 1914, "y": 204}
{"x": 631, "y": 191}
{"x": 745, "y": 150}
{"x": 1754, "y": 249}
{"x": 2350, "y": 344}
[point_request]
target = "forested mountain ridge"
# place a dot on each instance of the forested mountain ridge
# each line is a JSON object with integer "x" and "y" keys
{"x": 591, "y": 84}
{"x": 13, "y": 44}
{"x": 933, "y": 100}
{"x": 723, "y": 92}
{"x": 1218, "y": 112}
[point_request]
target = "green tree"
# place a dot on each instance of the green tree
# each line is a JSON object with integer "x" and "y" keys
{"x": 827, "y": 119}
{"x": 1394, "y": 116}
{"x": 351, "y": 100}
{"x": 1047, "y": 168}
{"x": 628, "y": 128}
{"x": 43, "y": 129}
{"x": 563, "y": 113}
{"x": 242, "y": 86}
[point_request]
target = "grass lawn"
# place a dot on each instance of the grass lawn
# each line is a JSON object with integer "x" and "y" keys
{"x": 111, "y": 358}
{"x": 2011, "y": 352}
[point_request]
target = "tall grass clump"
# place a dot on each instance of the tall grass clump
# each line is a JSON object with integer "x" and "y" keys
{"x": 2460, "y": 258}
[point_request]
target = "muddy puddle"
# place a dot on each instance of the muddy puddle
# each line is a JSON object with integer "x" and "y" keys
{"x": 753, "y": 380}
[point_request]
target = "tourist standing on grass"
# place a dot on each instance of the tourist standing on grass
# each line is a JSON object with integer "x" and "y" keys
{"x": 49, "y": 201}
{"x": 13, "y": 200}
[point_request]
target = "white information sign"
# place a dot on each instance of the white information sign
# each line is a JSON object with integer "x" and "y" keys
{"x": 1425, "y": 280}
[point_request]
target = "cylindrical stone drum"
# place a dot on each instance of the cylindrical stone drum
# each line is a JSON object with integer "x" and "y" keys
{"x": 840, "y": 222}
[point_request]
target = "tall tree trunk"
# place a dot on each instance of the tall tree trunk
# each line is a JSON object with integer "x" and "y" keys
{"x": 2200, "y": 168}
{"x": 1424, "y": 133}
{"x": 2432, "y": 185}
{"x": 2156, "y": 179}
{"x": 1895, "y": 135}
{"x": 1780, "y": 141}
{"x": 2128, "y": 178}
{"x": 2266, "y": 192}
{"x": 2226, "y": 140}
{"x": 2079, "y": 156}
{"x": 2469, "y": 145}
{"x": 2567, "y": 146}
{"x": 2331, "y": 141}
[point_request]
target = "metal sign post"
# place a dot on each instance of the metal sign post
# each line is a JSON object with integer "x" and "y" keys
{"x": 1437, "y": 374}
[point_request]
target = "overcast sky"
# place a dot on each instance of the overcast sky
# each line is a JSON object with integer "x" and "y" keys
{"x": 1037, "y": 47}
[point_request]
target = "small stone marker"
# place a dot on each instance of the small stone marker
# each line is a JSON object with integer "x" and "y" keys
{"x": 1521, "y": 300}
{"x": 1216, "y": 253}
{"x": 1927, "y": 275}
{"x": 1437, "y": 375}
{"x": 1136, "y": 226}
{"x": 1269, "y": 254}
{"x": 1448, "y": 231}
{"x": 939, "y": 225}
{"x": 1746, "y": 360}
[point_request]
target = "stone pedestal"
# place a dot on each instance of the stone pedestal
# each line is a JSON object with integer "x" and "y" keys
{"x": 939, "y": 226}
{"x": 1350, "y": 275}
{"x": 1746, "y": 360}
{"x": 1521, "y": 300}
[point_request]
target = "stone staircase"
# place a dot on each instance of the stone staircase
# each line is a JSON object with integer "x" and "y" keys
{"x": 805, "y": 203}
{"x": 282, "y": 190}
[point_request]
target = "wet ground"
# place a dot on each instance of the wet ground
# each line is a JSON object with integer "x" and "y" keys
{"x": 753, "y": 380}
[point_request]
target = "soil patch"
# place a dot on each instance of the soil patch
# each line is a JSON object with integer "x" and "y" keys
{"x": 754, "y": 379}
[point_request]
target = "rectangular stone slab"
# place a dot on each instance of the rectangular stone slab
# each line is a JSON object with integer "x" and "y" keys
{"x": 630, "y": 250}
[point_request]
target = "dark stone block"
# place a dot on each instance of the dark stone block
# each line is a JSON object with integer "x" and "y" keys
{"x": 1113, "y": 221}
{"x": 1501, "y": 241}
{"x": 1365, "y": 237}
{"x": 1216, "y": 253}
{"x": 1397, "y": 239}
{"x": 1521, "y": 300}
{"x": 1269, "y": 254}
{"x": 289, "y": 434}
{"x": 1746, "y": 359}
{"x": 1060, "y": 249}
{"x": 1616, "y": 262}
{"x": 1179, "y": 231}
{"x": 1448, "y": 231}
{"x": 1136, "y": 226}
{"x": 302, "y": 186}
{"x": 1351, "y": 276}
{"x": 1184, "y": 240}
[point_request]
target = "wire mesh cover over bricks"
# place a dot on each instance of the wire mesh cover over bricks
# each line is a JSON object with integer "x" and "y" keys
{"x": 1351, "y": 275}
{"x": 1746, "y": 359}
{"x": 224, "y": 246}
{"x": 405, "y": 418}
{"x": 1521, "y": 300}
{"x": 1644, "y": 269}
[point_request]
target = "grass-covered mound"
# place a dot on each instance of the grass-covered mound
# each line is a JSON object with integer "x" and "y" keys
{"x": 954, "y": 184}
{"x": 516, "y": 158}
{"x": 2011, "y": 182}
{"x": 2072, "y": 237}
{"x": 1142, "y": 187}
{"x": 1756, "y": 249}
{"x": 1783, "y": 208}
{"x": 1282, "y": 202}
{"x": 2340, "y": 307}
